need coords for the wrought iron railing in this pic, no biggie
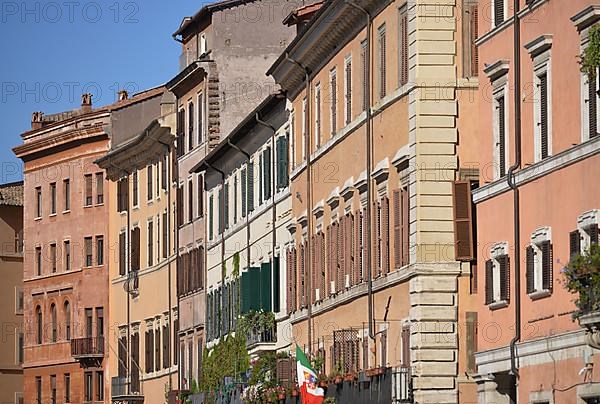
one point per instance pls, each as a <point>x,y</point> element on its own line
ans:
<point>402,385</point>
<point>89,346</point>
<point>257,336</point>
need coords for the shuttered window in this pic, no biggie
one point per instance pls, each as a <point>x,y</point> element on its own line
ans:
<point>122,254</point>
<point>163,175</point>
<point>401,214</point>
<point>180,133</point>
<point>282,162</point>
<point>165,236</point>
<point>226,206</point>
<point>220,206</point>
<point>504,271</point>
<point>150,240</point>
<point>135,186</point>
<point>501,116</point>
<point>166,341</point>
<point>489,282</point>
<point>405,337</point>
<point>88,190</point>
<point>547,267</point>
<point>348,90</point>
<point>250,186</point>
<point>200,118</point>
<point>381,60</point>
<point>530,269</point>
<point>179,202</point>
<point>211,219</point>
<point>190,207</point>
<point>385,235</point>
<point>463,227</point>
<point>267,172</point>
<point>593,106</point>
<point>333,100</point>
<point>135,249</point>
<point>543,124</point>
<point>243,179</point>
<point>539,267</point>
<point>403,45</point>
<point>200,196</point>
<point>471,341</point>
<point>469,28</point>
<point>498,12</point>
<point>317,115</point>
<point>592,232</point>
<point>363,74</point>
<point>123,195</point>
<point>135,358</point>
<point>150,181</point>
<point>574,243</point>
<point>191,125</point>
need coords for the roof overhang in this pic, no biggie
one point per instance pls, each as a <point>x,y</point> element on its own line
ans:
<point>187,79</point>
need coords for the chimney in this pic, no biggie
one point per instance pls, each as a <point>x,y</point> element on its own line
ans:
<point>86,103</point>
<point>36,120</point>
<point>123,95</point>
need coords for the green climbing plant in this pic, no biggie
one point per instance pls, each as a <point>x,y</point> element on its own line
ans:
<point>582,278</point>
<point>228,358</point>
<point>256,321</point>
<point>590,58</point>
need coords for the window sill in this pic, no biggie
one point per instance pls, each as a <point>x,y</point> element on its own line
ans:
<point>87,206</point>
<point>99,204</point>
<point>37,218</point>
<point>64,212</point>
<point>52,215</point>
<point>500,304</point>
<point>539,294</point>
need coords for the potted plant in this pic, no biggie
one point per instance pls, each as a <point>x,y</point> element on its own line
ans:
<point>337,374</point>
<point>582,277</point>
<point>589,60</point>
<point>280,391</point>
<point>350,377</point>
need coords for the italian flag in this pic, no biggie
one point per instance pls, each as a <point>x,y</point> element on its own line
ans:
<point>307,380</point>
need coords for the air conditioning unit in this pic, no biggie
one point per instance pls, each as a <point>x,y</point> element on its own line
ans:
<point>332,288</point>
<point>317,294</point>
<point>347,281</point>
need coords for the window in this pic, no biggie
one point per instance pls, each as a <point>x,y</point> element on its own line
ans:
<point>464,248</point>
<point>149,350</point>
<point>538,272</point>
<point>135,249</point>
<point>500,134</point>
<point>200,118</point>
<point>333,100</point>
<point>67,254</point>
<point>498,11</point>
<point>38,389</point>
<point>292,140</point>
<point>267,172</point>
<point>38,259</point>
<point>157,178</point>
<point>235,198</point>
<point>38,199</point>
<point>164,175</point>
<point>123,194</point>
<point>282,162</point>
<point>348,90</point>
<point>403,45</point>
<point>179,201</point>
<point>20,348</point>
<point>100,322</point>
<point>181,132</point>
<point>67,321</point>
<point>53,257</point>
<point>470,18</point>
<point>200,195</point>
<point>401,226</point>
<point>99,250</point>
<point>67,194</point>
<point>99,188</point>
<point>157,348</point>
<point>67,388</point>
<point>165,236</point>
<point>190,201</point>
<point>497,277</point>
<point>158,238</point>
<point>88,386</point>
<point>363,76</point>
<point>18,300</point>
<point>226,206</point>
<point>304,112</point>
<point>381,60</point>
<point>150,238</point>
<point>317,115</point>
<point>53,389</point>
<point>244,181</point>
<point>89,323</point>
<point>99,386</point>
<point>191,125</point>
<point>135,188</point>
<point>53,319</point>
<point>212,218</point>
<point>165,346</point>
<point>586,233</point>
<point>40,325</point>
<point>88,251</point>
<point>88,190</point>
<point>53,198</point>
<point>149,172</point>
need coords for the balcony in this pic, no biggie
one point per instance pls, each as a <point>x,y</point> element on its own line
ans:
<point>88,351</point>
<point>121,394</point>
<point>402,385</point>
<point>257,336</point>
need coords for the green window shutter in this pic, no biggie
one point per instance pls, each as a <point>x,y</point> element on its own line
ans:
<point>276,286</point>
<point>261,177</point>
<point>244,191</point>
<point>220,215</point>
<point>254,291</point>
<point>208,316</point>
<point>265,286</point>
<point>250,187</point>
<point>245,293</point>
<point>226,207</point>
<point>267,172</point>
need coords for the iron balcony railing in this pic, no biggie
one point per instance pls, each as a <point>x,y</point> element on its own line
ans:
<point>89,346</point>
<point>402,385</point>
<point>121,393</point>
<point>265,336</point>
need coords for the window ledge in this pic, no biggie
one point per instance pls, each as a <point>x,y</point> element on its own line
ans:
<point>64,212</point>
<point>539,294</point>
<point>500,304</point>
<point>37,218</point>
<point>99,204</point>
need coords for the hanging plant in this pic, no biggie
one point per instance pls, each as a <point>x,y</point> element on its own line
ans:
<point>582,277</point>
<point>228,358</point>
<point>590,58</point>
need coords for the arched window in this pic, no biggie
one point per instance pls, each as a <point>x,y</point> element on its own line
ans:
<point>67,320</point>
<point>53,313</point>
<point>38,315</point>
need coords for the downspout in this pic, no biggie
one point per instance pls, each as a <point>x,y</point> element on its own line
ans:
<point>175,180</point>
<point>168,151</point>
<point>247,155</point>
<point>369,151</point>
<point>511,182</point>
<point>273,206</point>
<point>307,149</point>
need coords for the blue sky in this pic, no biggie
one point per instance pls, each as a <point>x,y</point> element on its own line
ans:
<point>54,50</point>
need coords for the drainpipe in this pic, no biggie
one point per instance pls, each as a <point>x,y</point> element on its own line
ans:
<point>168,151</point>
<point>247,156</point>
<point>307,149</point>
<point>273,207</point>
<point>511,182</point>
<point>369,150</point>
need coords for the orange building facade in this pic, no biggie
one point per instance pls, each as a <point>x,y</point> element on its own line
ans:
<point>535,207</point>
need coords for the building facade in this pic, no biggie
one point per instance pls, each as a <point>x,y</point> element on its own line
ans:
<point>65,287</point>
<point>142,270</point>
<point>535,209</point>
<point>248,210</point>
<point>11,265</point>
<point>226,48</point>
<point>383,154</point>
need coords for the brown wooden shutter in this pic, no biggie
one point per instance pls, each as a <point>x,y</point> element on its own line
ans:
<point>405,345</point>
<point>593,232</point>
<point>463,229</point>
<point>405,225</point>
<point>498,12</point>
<point>376,240</point>
<point>502,136</point>
<point>365,245</point>
<point>396,206</point>
<point>288,281</point>
<point>547,265</point>
<point>294,279</point>
<point>504,262</point>
<point>385,235</point>
<point>329,259</point>
<point>471,340</point>
<point>574,243</point>
<point>122,254</point>
<point>322,267</point>
<point>530,269</point>
<point>313,261</point>
<point>489,282</point>
<point>403,46</point>
<point>363,73</point>
<point>339,230</point>
<point>544,114</point>
<point>357,244</point>
<point>348,71</point>
<point>135,249</point>
<point>592,106</point>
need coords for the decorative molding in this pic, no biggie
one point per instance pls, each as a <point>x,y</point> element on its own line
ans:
<point>496,69</point>
<point>540,44</point>
<point>586,17</point>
